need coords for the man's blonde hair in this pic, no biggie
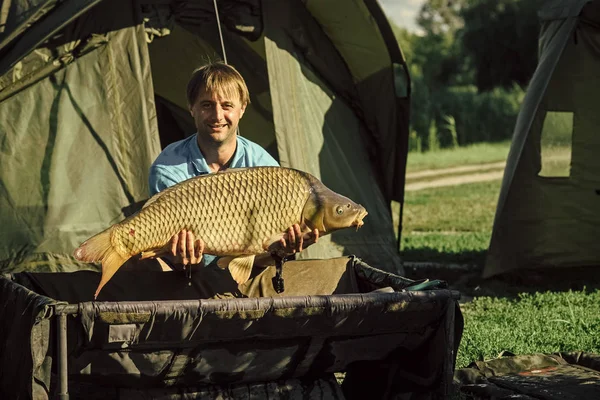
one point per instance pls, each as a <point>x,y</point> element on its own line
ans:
<point>217,77</point>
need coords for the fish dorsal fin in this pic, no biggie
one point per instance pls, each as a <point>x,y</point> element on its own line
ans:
<point>241,268</point>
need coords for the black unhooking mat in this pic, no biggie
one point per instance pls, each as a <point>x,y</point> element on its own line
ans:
<point>164,335</point>
<point>558,376</point>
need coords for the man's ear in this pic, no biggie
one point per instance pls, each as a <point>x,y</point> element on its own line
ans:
<point>243,110</point>
<point>191,110</point>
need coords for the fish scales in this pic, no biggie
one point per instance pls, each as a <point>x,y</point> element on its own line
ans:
<point>234,213</point>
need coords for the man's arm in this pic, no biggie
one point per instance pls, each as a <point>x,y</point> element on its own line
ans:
<point>159,179</point>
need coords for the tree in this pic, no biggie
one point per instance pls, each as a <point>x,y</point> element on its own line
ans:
<point>437,17</point>
<point>500,39</point>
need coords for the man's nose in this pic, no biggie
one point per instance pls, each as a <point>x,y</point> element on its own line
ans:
<point>217,112</point>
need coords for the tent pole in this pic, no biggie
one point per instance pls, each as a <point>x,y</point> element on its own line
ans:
<point>400,212</point>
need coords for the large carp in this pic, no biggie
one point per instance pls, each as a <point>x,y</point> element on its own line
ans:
<point>238,213</point>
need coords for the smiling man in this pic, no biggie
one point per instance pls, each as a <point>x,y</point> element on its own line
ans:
<point>217,99</point>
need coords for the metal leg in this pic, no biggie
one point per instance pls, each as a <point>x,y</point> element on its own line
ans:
<point>63,377</point>
<point>449,359</point>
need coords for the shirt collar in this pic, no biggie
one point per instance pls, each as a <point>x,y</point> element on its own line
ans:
<point>199,162</point>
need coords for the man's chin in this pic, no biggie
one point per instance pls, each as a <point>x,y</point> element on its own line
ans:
<point>217,137</point>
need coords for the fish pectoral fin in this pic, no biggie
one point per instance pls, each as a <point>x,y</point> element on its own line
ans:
<point>241,268</point>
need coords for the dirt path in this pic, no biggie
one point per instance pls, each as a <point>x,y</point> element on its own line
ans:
<point>454,176</point>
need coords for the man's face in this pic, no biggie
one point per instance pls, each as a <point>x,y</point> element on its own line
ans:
<point>217,116</point>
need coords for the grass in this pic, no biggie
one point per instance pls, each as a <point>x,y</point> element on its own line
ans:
<point>462,208</point>
<point>544,322</point>
<point>453,225</point>
<point>459,247</point>
<point>449,224</point>
<point>479,153</point>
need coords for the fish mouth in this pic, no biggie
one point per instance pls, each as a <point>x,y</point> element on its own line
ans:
<point>359,218</point>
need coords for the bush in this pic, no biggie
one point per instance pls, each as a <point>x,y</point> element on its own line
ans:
<point>478,117</point>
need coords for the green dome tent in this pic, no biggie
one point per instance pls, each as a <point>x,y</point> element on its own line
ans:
<point>548,212</point>
<point>90,91</point>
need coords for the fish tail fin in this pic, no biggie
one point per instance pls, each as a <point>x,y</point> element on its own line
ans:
<point>99,248</point>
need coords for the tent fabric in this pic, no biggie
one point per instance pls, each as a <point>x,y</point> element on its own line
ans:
<point>76,145</point>
<point>330,135</point>
<point>317,327</point>
<point>192,42</point>
<point>560,9</point>
<point>36,23</point>
<point>552,221</point>
<point>368,62</point>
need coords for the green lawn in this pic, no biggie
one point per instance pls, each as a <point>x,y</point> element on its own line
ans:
<point>449,224</point>
<point>453,225</point>
<point>474,154</point>
<point>544,322</point>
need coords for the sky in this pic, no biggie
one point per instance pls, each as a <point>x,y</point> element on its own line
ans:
<point>402,12</point>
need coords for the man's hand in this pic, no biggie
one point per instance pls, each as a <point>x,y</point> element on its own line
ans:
<point>294,241</point>
<point>185,248</point>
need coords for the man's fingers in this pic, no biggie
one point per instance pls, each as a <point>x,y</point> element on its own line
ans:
<point>197,249</point>
<point>191,248</point>
<point>316,234</point>
<point>292,239</point>
<point>183,246</point>
<point>174,242</point>
<point>300,237</point>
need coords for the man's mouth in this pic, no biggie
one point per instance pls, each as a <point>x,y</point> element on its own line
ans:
<point>217,126</point>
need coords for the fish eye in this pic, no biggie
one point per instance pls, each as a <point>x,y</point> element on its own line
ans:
<point>339,210</point>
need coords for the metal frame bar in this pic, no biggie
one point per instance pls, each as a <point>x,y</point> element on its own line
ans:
<point>63,373</point>
<point>63,363</point>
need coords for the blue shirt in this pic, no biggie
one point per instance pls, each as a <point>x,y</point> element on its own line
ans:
<point>183,159</point>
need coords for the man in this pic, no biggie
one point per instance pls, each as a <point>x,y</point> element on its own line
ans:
<point>217,98</point>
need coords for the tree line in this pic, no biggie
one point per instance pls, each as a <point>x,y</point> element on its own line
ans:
<point>469,69</point>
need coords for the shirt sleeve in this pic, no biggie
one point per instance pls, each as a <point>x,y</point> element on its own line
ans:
<point>266,160</point>
<point>160,179</point>
<point>259,157</point>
